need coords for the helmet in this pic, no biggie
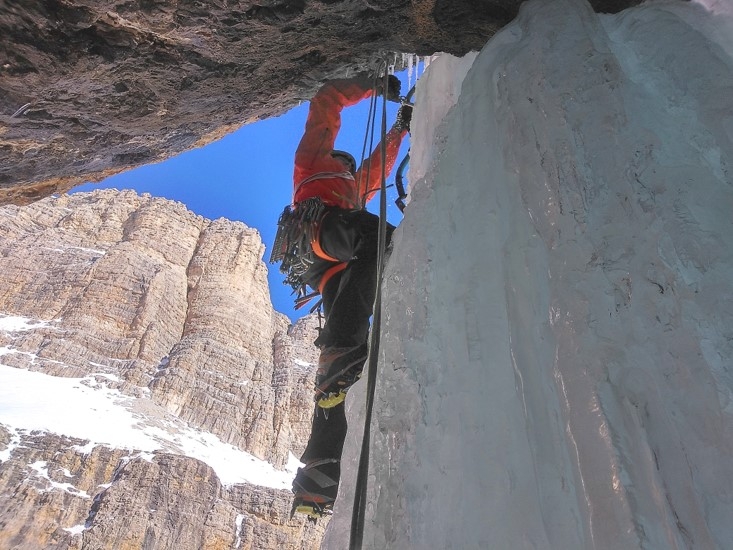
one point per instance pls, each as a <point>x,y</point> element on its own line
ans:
<point>346,158</point>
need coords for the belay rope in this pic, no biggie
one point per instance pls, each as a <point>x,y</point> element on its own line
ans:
<point>360,493</point>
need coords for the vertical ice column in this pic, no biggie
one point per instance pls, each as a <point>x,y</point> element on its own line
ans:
<point>555,366</point>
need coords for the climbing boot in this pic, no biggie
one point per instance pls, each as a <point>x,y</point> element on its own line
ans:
<point>338,370</point>
<point>315,487</point>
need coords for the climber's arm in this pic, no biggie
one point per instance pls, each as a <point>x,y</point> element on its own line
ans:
<point>324,122</point>
<point>369,176</point>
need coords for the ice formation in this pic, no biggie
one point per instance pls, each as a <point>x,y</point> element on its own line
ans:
<point>556,368</point>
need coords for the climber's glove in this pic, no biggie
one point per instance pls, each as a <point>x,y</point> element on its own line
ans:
<point>404,116</point>
<point>393,88</point>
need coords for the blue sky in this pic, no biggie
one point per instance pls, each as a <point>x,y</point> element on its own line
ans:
<point>248,176</point>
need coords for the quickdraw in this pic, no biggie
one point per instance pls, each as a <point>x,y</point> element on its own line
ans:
<point>293,247</point>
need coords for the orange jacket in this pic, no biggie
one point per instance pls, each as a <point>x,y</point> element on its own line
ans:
<point>316,173</point>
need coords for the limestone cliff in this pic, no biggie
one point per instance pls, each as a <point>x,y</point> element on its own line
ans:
<point>54,494</point>
<point>91,88</point>
<point>169,313</point>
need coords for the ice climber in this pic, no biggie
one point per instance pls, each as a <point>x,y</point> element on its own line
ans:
<point>328,241</point>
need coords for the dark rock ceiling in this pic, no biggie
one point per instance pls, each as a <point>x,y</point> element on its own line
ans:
<point>89,88</point>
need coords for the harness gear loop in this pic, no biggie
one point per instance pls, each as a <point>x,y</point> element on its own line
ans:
<point>297,245</point>
<point>297,229</point>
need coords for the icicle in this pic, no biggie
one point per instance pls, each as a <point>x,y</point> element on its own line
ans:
<point>410,61</point>
<point>391,68</point>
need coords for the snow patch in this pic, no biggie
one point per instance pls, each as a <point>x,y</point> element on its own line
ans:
<point>40,467</point>
<point>84,449</point>
<point>238,530</point>
<point>110,377</point>
<point>147,457</point>
<point>7,350</point>
<point>13,444</point>
<point>85,408</point>
<point>15,323</point>
<point>76,529</point>
<point>63,249</point>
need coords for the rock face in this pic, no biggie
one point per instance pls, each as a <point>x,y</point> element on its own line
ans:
<point>53,494</point>
<point>172,312</point>
<point>88,89</point>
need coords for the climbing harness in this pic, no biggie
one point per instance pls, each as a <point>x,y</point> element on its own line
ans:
<point>323,175</point>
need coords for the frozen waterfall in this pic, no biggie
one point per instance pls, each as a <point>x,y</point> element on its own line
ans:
<point>556,367</point>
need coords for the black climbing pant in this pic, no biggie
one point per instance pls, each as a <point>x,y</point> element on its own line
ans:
<point>348,298</point>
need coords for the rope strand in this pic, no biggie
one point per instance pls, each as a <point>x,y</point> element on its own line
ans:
<point>369,128</point>
<point>360,494</point>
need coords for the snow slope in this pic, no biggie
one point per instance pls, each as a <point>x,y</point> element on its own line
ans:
<point>556,365</point>
<point>86,408</point>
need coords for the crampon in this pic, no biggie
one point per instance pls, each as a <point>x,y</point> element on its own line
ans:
<point>315,487</point>
<point>331,390</point>
<point>313,510</point>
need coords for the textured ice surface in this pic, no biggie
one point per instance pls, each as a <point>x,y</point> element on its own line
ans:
<point>556,366</point>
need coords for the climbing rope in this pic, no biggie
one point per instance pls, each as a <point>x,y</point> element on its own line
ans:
<point>360,493</point>
<point>368,137</point>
